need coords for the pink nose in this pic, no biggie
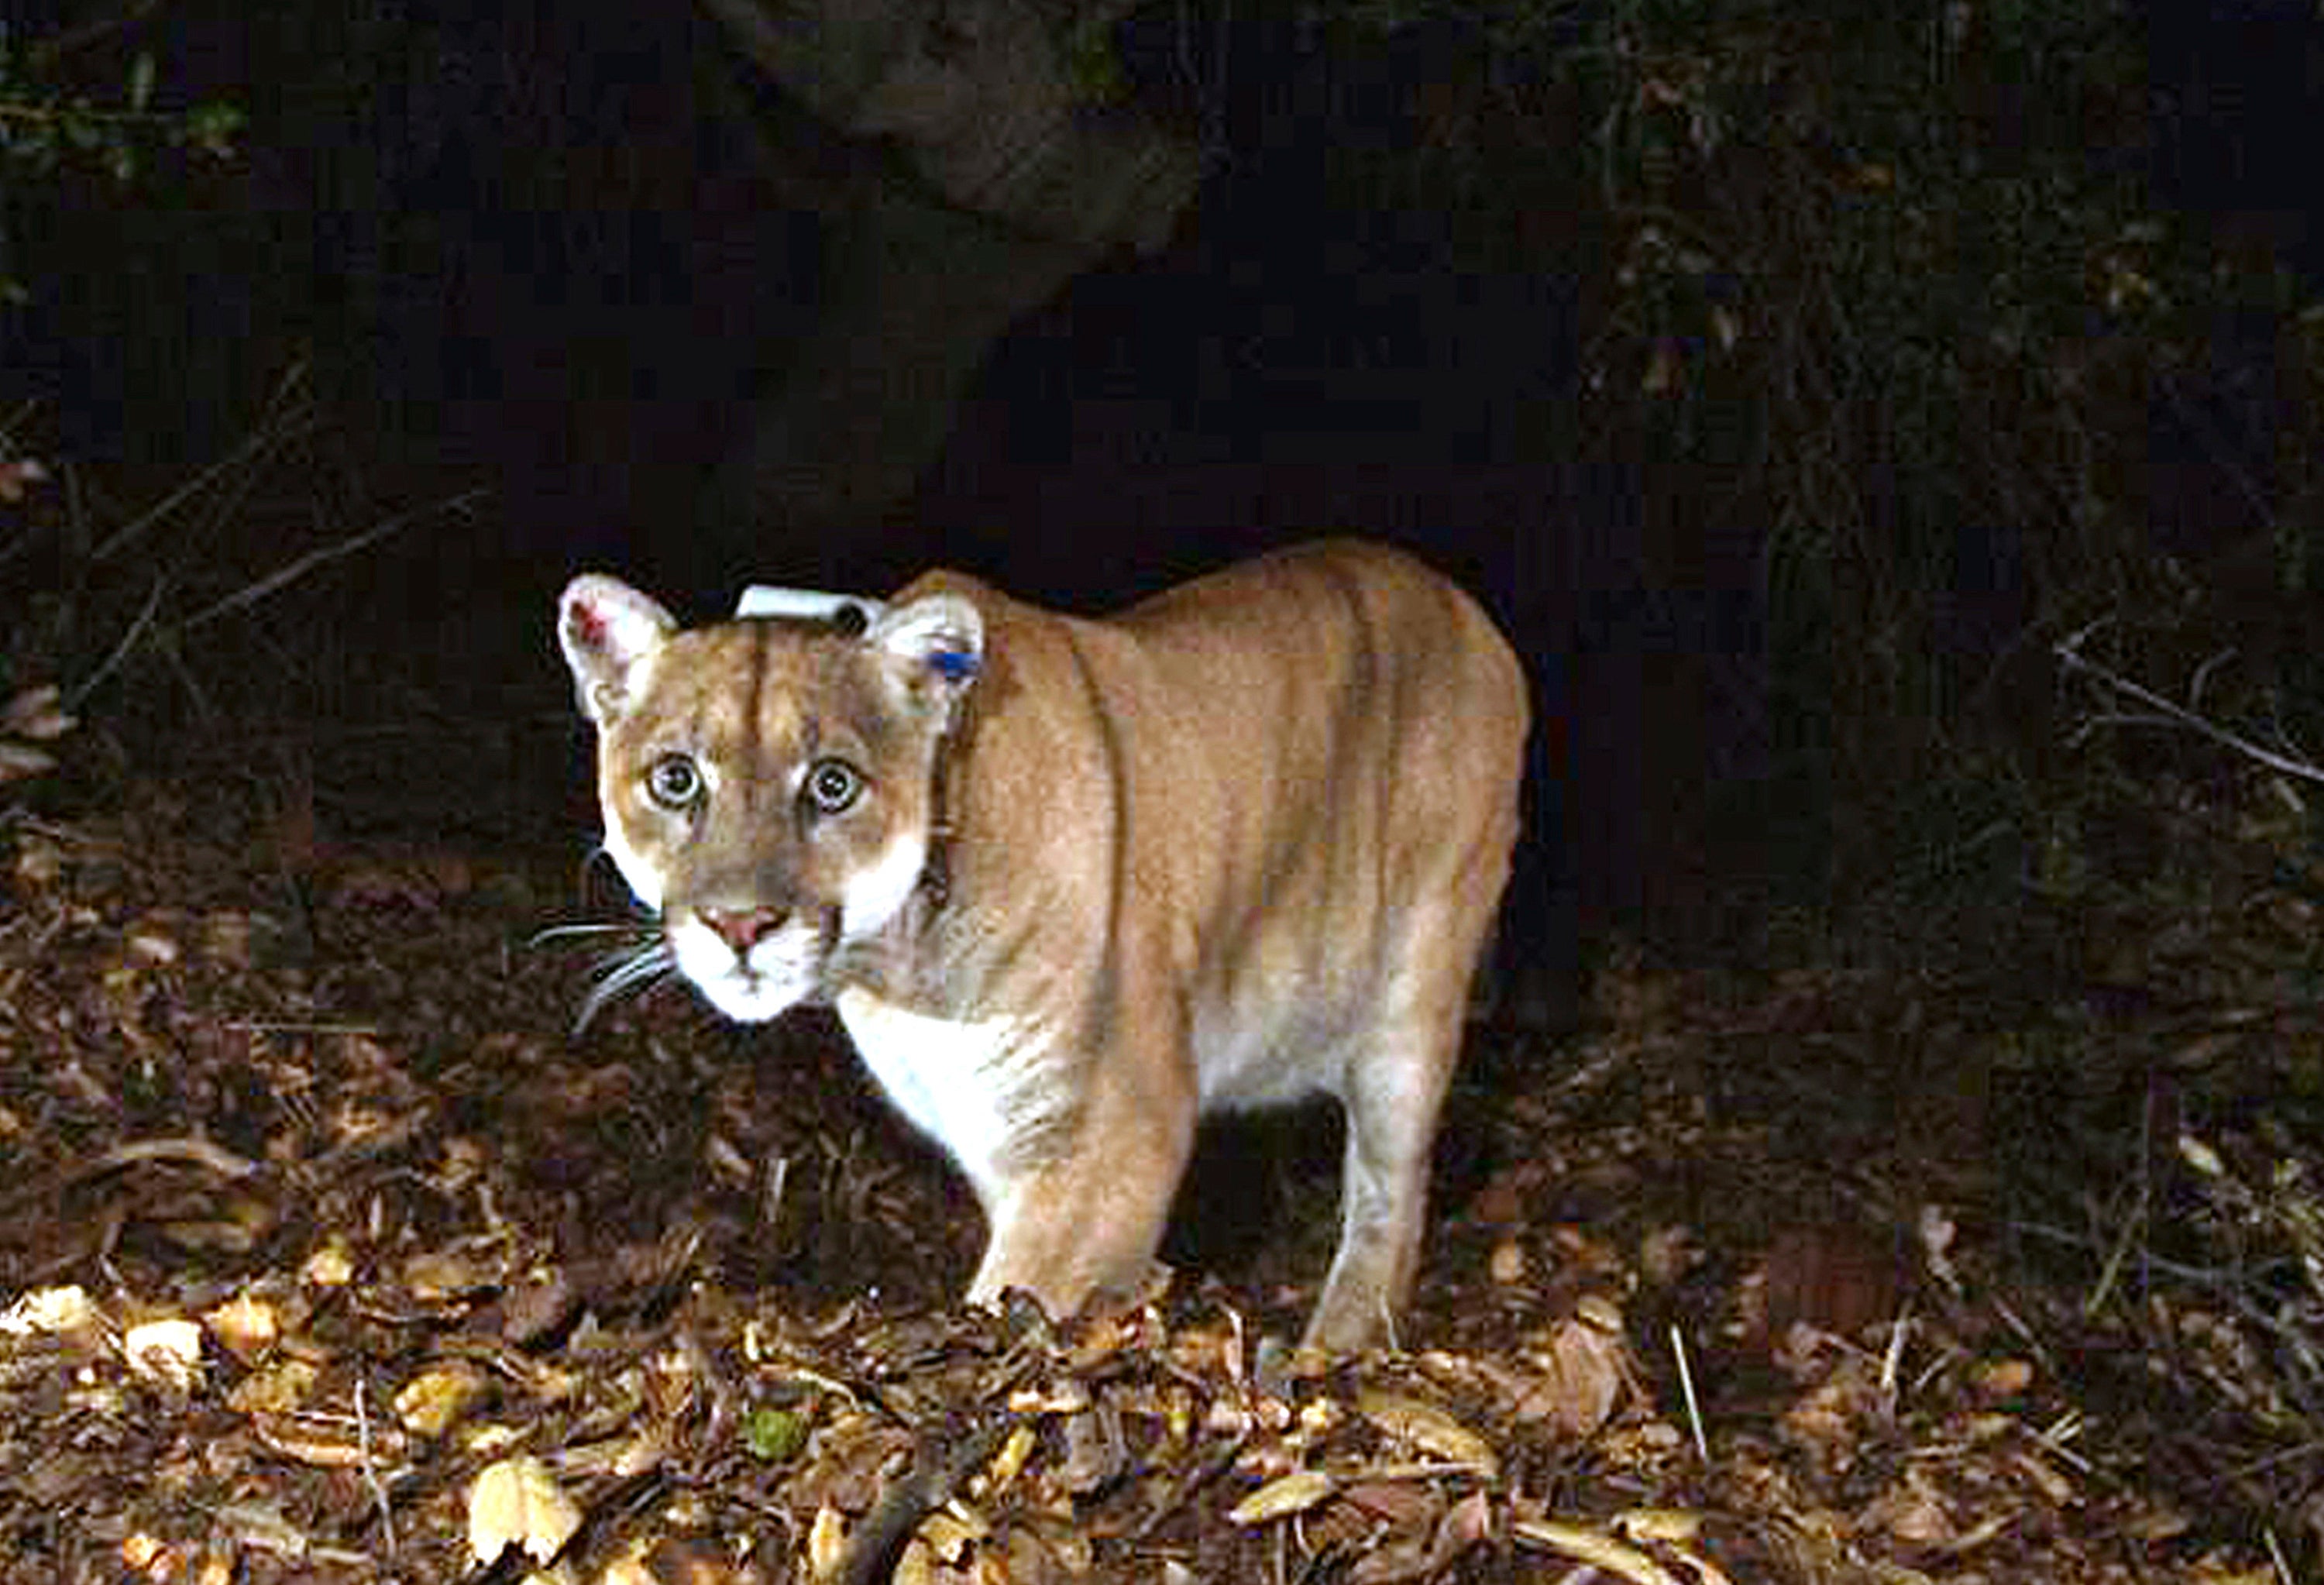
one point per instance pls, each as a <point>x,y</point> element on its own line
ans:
<point>742,928</point>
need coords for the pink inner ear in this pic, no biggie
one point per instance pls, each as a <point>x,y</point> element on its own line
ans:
<point>589,625</point>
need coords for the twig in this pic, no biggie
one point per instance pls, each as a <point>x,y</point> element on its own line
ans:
<point>2282,1564</point>
<point>2069,656</point>
<point>1591,1075</point>
<point>2261,1466</point>
<point>944,1459</point>
<point>89,685</point>
<point>297,1027</point>
<point>2218,451</point>
<point>203,708</point>
<point>1217,1464</point>
<point>1687,1390</point>
<point>2054,1436</point>
<point>190,1148</point>
<point>45,53</point>
<point>2131,1234</point>
<point>39,945</point>
<point>370,1469</point>
<point>1891,1359</point>
<point>2219,1278</point>
<point>2110,1269</point>
<point>75,511</point>
<point>301,566</point>
<point>254,445</point>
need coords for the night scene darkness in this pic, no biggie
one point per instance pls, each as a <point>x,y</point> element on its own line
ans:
<point>1890,439</point>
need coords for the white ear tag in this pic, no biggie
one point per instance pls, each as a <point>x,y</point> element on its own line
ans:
<point>804,604</point>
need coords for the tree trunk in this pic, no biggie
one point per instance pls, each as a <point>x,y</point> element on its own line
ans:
<point>999,183</point>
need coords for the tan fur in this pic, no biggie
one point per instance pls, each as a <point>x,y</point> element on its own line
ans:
<point>1236,845</point>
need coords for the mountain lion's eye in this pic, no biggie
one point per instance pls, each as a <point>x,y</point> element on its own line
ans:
<point>832,785</point>
<point>673,781</point>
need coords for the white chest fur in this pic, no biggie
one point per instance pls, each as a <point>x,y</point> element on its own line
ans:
<point>980,1088</point>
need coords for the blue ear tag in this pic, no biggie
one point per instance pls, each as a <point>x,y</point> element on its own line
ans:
<point>952,665</point>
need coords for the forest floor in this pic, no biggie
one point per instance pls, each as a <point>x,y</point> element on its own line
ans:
<point>331,1251</point>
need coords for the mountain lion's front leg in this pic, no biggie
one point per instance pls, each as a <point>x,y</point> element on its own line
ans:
<point>1087,1218</point>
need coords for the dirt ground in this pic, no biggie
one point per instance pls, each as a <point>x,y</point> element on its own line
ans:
<point>331,1251</point>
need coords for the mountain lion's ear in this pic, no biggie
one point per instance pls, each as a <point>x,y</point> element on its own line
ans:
<point>605,628</point>
<point>939,638</point>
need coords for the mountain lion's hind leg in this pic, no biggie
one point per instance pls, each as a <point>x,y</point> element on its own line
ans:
<point>1392,1088</point>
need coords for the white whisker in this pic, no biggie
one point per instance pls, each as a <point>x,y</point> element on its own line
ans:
<point>542,937</point>
<point>624,972</point>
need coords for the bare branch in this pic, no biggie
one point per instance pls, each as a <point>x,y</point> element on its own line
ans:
<point>2162,712</point>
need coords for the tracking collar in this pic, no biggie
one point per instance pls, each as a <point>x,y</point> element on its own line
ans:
<point>855,613</point>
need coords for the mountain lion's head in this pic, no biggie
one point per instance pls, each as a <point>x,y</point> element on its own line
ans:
<point>768,785</point>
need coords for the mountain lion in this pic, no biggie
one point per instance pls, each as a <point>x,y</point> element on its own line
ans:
<point>1069,883</point>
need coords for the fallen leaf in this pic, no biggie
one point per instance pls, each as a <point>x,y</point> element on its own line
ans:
<point>2054,1486</point>
<point>274,1389</point>
<point>1094,1450</point>
<point>916,1566</point>
<point>330,1267</point>
<point>18,476</point>
<point>245,1326</point>
<point>330,1445</point>
<point>1914,1516</point>
<point>2003,1378</point>
<point>148,1555</point>
<point>19,761</point>
<point>1396,1502</point>
<point>1430,1429</point>
<point>1393,1562</point>
<point>1589,1547</point>
<point>1294,1493</point>
<point>33,713</point>
<point>167,1352</point>
<point>1009,1461</point>
<point>1580,1365</point>
<point>949,1531</point>
<point>432,1400</point>
<point>1668,1253</point>
<point>827,1543</point>
<point>1677,1527</point>
<point>518,1502</point>
<point>260,1525</point>
<point>48,1310</point>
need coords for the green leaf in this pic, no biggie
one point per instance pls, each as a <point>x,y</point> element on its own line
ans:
<point>210,128</point>
<point>1094,66</point>
<point>774,1435</point>
<point>141,81</point>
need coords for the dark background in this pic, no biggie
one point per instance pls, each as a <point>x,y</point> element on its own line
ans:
<point>528,248</point>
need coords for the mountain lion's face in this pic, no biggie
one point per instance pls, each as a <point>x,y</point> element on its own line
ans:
<point>767,784</point>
